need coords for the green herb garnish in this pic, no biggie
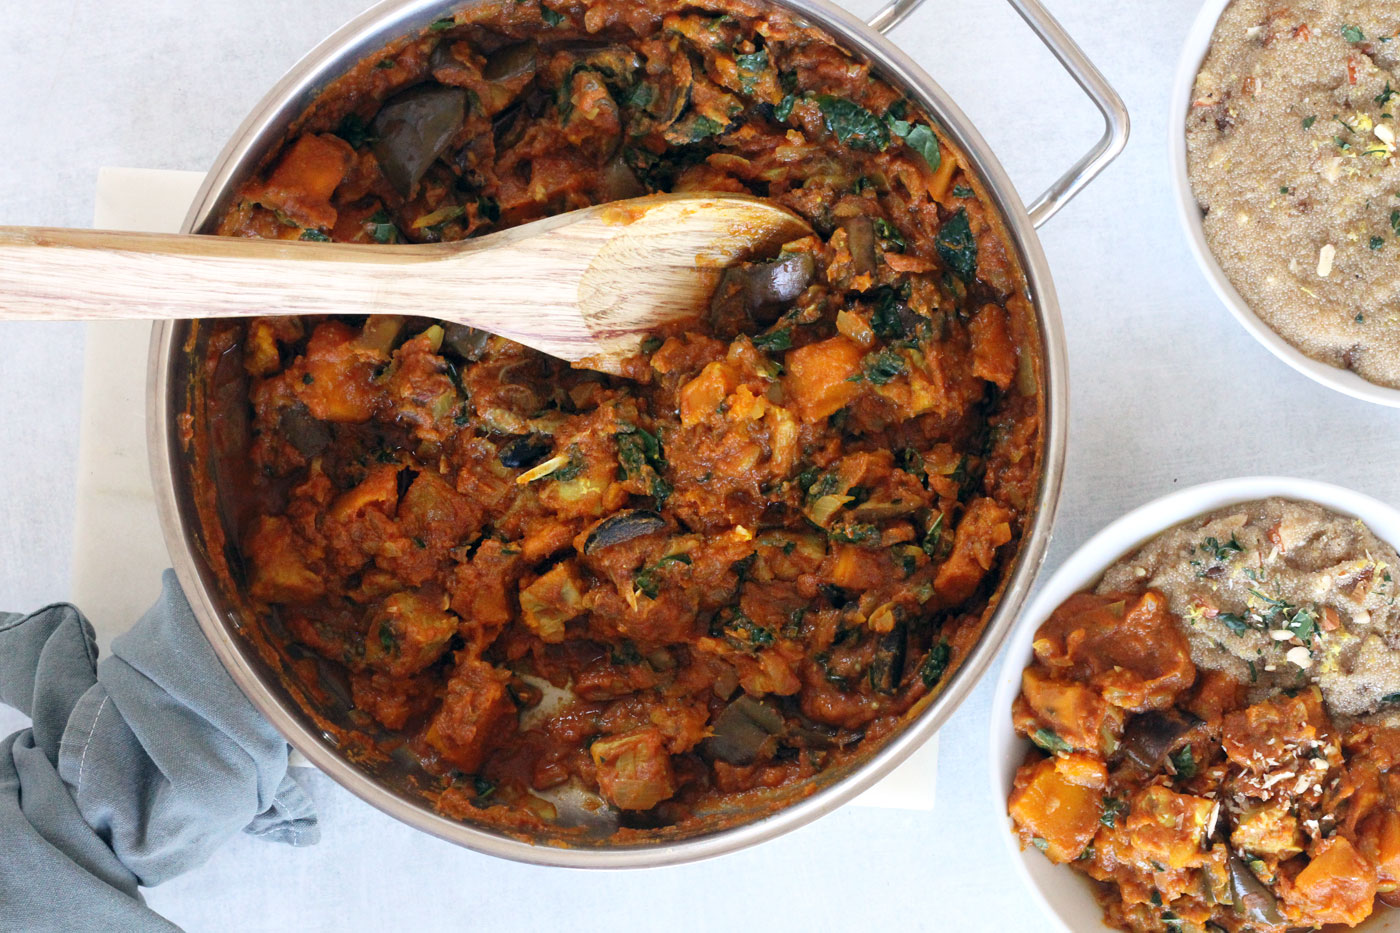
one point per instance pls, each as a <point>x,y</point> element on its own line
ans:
<point>315,236</point>
<point>1353,33</point>
<point>775,341</point>
<point>957,247</point>
<point>1051,742</point>
<point>1112,809</point>
<point>1184,762</point>
<point>934,666</point>
<point>852,124</point>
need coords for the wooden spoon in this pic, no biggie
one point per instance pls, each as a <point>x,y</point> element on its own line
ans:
<point>585,286</point>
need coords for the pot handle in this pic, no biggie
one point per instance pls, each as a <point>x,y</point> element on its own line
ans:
<point>1088,77</point>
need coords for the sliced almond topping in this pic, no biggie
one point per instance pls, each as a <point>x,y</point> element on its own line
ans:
<point>1324,260</point>
<point>1299,657</point>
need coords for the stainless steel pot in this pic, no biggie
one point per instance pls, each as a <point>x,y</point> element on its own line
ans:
<point>174,358</point>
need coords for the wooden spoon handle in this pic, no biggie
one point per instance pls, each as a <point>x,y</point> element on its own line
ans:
<point>59,274</point>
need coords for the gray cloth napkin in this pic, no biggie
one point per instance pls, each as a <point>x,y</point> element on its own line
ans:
<point>134,770</point>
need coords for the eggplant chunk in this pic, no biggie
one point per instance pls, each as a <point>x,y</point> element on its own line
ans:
<point>525,452</point>
<point>1253,900</point>
<point>306,433</point>
<point>757,291</point>
<point>413,128</point>
<point>743,731</point>
<point>466,342</point>
<point>512,61</point>
<point>623,527</point>
<point>1152,735</point>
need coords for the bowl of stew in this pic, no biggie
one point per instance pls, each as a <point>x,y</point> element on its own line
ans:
<point>1261,607</point>
<point>611,621</point>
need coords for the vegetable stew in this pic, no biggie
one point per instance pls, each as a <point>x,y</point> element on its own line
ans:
<point>737,567</point>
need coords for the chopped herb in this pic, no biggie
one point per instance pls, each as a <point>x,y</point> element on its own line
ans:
<point>650,345</point>
<point>1253,672</point>
<point>1222,552</point>
<point>1395,222</point>
<point>1341,143</point>
<point>1283,190</point>
<point>1384,96</point>
<point>381,227</point>
<point>641,457</point>
<point>1235,623</point>
<point>957,247</point>
<point>384,64</point>
<point>933,538</point>
<point>550,17</point>
<point>645,579</point>
<point>852,124</point>
<point>743,632</point>
<point>1087,855</point>
<point>1113,808</point>
<point>887,231</point>
<point>703,127</point>
<point>1184,762</point>
<point>885,366</point>
<point>784,108</point>
<point>571,470</point>
<point>488,209</point>
<point>775,341</point>
<point>923,141</point>
<point>640,97</point>
<point>751,67</point>
<point>1308,122</point>
<point>439,25</point>
<point>307,379</point>
<point>1303,625</point>
<point>886,321</point>
<point>421,543</point>
<point>388,640</point>
<point>1039,843</point>
<point>962,191</point>
<point>315,236</point>
<point>354,130</point>
<point>854,533</point>
<point>1353,33</point>
<point>1051,742</point>
<point>1377,242</point>
<point>483,787</point>
<point>1391,698</point>
<point>934,666</point>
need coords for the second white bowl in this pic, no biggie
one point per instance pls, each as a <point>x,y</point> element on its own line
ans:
<point>1193,53</point>
<point>1066,895</point>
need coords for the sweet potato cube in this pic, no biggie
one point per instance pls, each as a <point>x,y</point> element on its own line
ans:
<point>985,526</point>
<point>280,570</point>
<point>818,381</point>
<point>1169,828</point>
<point>476,714</point>
<point>1337,886</point>
<point>1268,830</point>
<point>1073,711</point>
<point>993,352</point>
<point>634,769</point>
<point>1058,801</point>
<point>703,395</point>
<point>409,632</point>
<point>551,601</point>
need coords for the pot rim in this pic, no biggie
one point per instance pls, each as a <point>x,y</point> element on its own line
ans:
<point>265,127</point>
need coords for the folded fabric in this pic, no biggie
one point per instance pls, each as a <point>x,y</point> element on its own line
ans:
<point>134,770</point>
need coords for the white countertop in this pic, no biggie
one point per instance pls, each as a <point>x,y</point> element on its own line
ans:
<point>1166,390</point>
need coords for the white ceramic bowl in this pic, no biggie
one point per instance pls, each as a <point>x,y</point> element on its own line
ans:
<point>1065,894</point>
<point>1194,52</point>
